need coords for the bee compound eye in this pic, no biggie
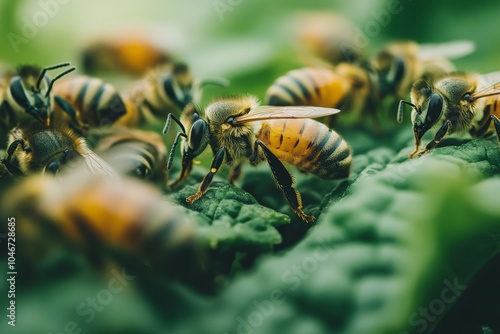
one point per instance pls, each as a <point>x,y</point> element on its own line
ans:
<point>53,167</point>
<point>198,131</point>
<point>435,108</point>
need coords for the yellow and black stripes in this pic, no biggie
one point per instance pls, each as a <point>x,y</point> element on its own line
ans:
<point>134,152</point>
<point>319,87</point>
<point>97,102</point>
<point>309,145</point>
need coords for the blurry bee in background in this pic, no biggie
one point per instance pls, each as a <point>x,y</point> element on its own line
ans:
<point>329,36</point>
<point>280,134</point>
<point>454,103</point>
<point>400,64</point>
<point>361,88</point>
<point>128,53</point>
<point>28,97</point>
<point>109,219</point>
<point>138,153</point>
<point>40,149</point>
<point>166,90</point>
<point>347,87</point>
<point>97,103</point>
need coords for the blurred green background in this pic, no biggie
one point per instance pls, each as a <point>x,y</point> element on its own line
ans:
<point>248,41</point>
<point>251,43</point>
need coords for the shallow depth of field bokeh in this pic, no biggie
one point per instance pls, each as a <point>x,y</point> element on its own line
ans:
<point>251,43</point>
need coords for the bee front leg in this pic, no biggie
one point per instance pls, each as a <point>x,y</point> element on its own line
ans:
<point>186,169</point>
<point>11,168</point>
<point>437,138</point>
<point>235,173</point>
<point>67,108</point>
<point>415,151</point>
<point>284,180</point>
<point>216,163</point>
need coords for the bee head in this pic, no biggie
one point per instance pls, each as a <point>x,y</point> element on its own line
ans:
<point>197,137</point>
<point>30,91</point>
<point>29,95</point>
<point>222,113</point>
<point>427,108</point>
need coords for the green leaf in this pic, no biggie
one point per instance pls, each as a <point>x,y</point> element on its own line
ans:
<point>236,222</point>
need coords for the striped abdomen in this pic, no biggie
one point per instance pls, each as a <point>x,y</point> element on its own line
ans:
<point>159,97</point>
<point>136,158</point>
<point>309,86</point>
<point>98,102</point>
<point>309,145</point>
<point>135,152</point>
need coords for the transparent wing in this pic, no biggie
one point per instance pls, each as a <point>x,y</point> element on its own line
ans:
<point>97,165</point>
<point>488,91</point>
<point>449,50</point>
<point>274,112</point>
<point>490,78</point>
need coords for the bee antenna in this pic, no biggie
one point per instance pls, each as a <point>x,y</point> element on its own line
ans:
<point>60,75</point>
<point>400,109</point>
<point>197,87</point>
<point>222,82</point>
<point>48,68</point>
<point>172,149</point>
<point>171,117</point>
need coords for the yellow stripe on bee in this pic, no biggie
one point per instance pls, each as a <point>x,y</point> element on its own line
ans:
<point>307,144</point>
<point>319,87</point>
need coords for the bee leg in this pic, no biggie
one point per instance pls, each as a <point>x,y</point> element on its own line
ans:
<point>11,168</point>
<point>216,163</point>
<point>284,180</point>
<point>183,176</point>
<point>415,151</point>
<point>235,173</point>
<point>437,138</point>
<point>68,109</point>
<point>171,117</point>
<point>185,170</point>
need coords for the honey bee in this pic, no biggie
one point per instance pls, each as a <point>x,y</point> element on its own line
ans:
<point>454,103</point>
<point>97,102</point>
<point>166,90</point>
<point>104,217</point>
<point>132,54</point>
<point>28,97</point>
<point>362,87</point>
<point>238,130</point>
<point>347,87</point>
<point>134,152</point>
<point>40,149</point>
